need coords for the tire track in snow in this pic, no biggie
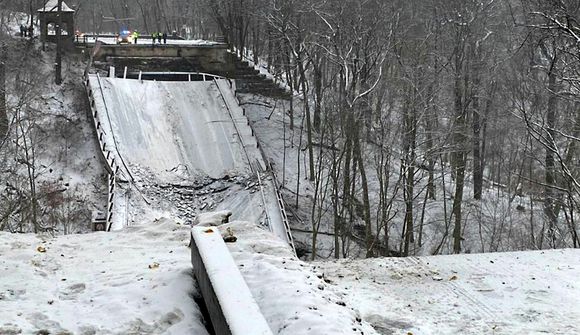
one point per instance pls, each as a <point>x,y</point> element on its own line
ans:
<point>472,303</point>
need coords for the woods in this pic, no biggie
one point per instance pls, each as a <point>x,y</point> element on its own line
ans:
<point>443,126</point>
<point>423,127</point>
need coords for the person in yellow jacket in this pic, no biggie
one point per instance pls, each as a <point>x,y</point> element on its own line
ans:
<point>135,36</point>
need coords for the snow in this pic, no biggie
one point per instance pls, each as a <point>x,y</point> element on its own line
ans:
<point>145,40</point>
<point>102,283</point>
<point>181,132</point>
<point>52,6</point>
<point>292,295</point>
<point>237,304</point>
<point>528,292</point>
<point>167,125</point>
<point>137,281</point>
<point>212,218</point>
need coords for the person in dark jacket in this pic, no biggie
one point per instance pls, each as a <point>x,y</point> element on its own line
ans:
<point>164,38</point>
<point>159,38</point>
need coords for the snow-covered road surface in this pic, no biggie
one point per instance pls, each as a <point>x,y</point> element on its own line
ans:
<point>293,296</point>
<point>534,292</point>
<point>137,281</point>
<point>174,129</point>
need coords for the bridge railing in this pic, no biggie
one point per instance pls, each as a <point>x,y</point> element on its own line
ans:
<point>105,153</point>
<point>205,76</point>
<point>268,169</point>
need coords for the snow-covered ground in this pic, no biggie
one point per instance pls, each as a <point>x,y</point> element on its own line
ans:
<point>137,281</point>
<point>532,292</point>
<point>293,296</point>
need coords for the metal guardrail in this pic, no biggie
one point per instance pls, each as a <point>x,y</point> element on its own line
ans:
<point>106,154</point>
<point>282,207</point>
<point>205,76</point>
<point>279,198</point>
<point>236,126</point>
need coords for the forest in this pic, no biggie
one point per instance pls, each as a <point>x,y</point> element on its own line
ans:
<point>424,126</point>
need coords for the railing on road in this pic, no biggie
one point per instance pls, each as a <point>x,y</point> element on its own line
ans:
<point>106,154</point>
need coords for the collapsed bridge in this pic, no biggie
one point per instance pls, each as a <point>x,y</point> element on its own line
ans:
<point>181,135</point>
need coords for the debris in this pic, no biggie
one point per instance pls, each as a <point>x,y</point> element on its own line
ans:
<point>41,249</point>
<point>230,238</point>
<point>155,265</point>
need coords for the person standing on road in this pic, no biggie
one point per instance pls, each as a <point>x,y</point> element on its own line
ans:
<point>164,38</point>
<point>159,37</point>
<point>153,37</point>
<point>135,36</point>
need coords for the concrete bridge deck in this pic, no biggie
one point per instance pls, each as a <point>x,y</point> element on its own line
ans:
<point>204,56</point>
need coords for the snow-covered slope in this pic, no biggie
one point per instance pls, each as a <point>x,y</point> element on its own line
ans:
<point>534,292</point>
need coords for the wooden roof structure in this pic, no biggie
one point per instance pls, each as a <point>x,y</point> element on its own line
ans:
<point>52,6</point>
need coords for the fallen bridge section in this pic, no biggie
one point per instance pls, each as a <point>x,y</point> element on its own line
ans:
<point>167,134</point>
<point>175,130</point>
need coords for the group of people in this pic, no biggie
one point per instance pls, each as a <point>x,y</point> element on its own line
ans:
<point>26,31</point>
<point>158,37</point>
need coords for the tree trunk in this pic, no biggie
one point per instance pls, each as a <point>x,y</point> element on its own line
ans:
<point>317,91</point>
<point>308,119</point>
<point>549,202</point>
<point>335,174</point>
<point>3,109</point>
<point>477,158</point>
<point>429,143</point>
<point>58,63</point>
<point>409,172</point>
<point>458,137</point>
<point>365,192</point>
